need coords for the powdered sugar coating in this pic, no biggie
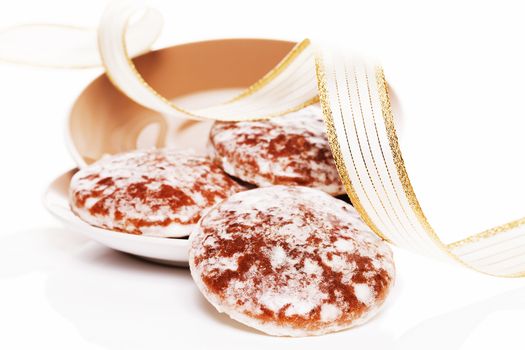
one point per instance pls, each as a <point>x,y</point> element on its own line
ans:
<point>288,150</point>
<point>290,261</point>
<point>151,192</point>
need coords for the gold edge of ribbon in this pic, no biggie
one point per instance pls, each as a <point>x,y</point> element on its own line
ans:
<point>287,60</point>
<point>336,150</point>
<point>300,106</point>
<point>411,196</point>
<point>399,163</point>
<point>143,81</point>
<point>138,76</point>
<point>488,233</point>
<point>274,72</point>
<point>407,185</point>
<point>491,233</point>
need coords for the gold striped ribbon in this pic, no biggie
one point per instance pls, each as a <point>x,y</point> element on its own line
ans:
<point>360,127</point>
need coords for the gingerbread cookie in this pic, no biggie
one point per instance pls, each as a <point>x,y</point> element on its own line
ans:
<point>288,150</point>
<point>290,261</point>
<point>149,192</point>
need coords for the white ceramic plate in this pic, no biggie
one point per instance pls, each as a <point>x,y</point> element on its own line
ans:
<point>162,250</point>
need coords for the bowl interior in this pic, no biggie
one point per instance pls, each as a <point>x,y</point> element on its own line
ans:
<point>104,121</point>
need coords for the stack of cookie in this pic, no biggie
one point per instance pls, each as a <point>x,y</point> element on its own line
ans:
<point>270,246</point>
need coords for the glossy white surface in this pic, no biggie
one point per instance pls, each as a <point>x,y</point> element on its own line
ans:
<point>59,290</point>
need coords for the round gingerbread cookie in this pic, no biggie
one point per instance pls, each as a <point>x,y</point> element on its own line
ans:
<point>149,192</point>
<point>290,261</point>
<point>288,150</point>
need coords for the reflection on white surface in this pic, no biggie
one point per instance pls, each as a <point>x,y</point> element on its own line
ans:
<point>452,329</point>
<point>116,301</point>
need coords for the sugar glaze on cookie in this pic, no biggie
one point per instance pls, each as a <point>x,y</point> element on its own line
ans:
<point>288,150</point>
<point>290,261</point>
<point>151,192</point>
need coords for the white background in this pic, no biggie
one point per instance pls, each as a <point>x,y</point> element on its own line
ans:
<point>457,69</point>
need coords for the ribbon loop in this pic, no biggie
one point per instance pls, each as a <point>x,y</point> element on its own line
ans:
<point>356,106</point>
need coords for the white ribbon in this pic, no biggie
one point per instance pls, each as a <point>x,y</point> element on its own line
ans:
<point>288,87</point>
<point>360,128</point>
<point>64,46</point>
